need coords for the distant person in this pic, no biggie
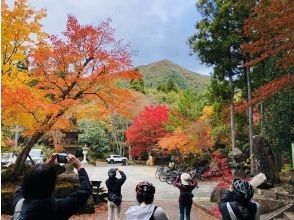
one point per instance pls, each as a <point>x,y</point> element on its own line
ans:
<point>34,200</point>
<point>236,203</point>
<point>186,186</point>
<point>145,210</point>
<point>114,192</point>
<point>171,163</point>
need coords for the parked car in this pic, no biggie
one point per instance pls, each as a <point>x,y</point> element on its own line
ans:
<point>36,155</point>
<point>116,158</point>
<point>7,159</point>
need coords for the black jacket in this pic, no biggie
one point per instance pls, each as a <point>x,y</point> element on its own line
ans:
<point>52,208</point>
<point>243,211</point>
<point>186,194</point>
<point>114,184</point>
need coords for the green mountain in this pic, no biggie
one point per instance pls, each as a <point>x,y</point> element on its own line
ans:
<point>160,72</point>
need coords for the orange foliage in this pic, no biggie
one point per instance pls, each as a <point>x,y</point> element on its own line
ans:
<point>196,138</point>
<point>58,148</point>
<point>82,67</point>
<point>178,140</point>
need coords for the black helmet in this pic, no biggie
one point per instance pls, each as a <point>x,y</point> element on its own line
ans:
<point>111,172</point>
<point>145,187</point>
<point>242,190</point>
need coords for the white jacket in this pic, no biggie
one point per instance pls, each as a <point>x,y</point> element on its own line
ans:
<point>144,212</point>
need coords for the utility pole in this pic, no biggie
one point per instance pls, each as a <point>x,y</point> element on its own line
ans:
<point>232,116</point>
<point>250,119</point>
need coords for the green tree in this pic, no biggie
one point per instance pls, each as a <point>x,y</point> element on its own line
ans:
<point>278,121</point>
<point>171,86</point>
<point>218,39</point>
<point>138,85</point>
<point>187,109</point>
<point>95,135</point>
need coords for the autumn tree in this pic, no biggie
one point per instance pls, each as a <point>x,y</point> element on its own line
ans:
<point>270,41</point>
<point>270,28</point>
<point>21,30</point>
<point>84,65</point>
<point>147,128</point>
<point>196,137</point>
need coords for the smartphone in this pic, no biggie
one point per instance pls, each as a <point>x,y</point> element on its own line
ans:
<point>62,158</point>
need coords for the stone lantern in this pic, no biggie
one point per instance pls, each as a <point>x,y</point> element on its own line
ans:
<point>235,154</point>
<point>85,152</point>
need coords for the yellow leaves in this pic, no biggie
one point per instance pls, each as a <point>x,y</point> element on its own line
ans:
<point>20,27</point>
<point>197,137</point>
<point>207,112</point>
<point>178,140</point>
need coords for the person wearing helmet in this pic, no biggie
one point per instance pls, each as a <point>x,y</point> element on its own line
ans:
<point>114,185</point>
<point>145,210</point>
<point>236,204</point>
<point>186,186</point>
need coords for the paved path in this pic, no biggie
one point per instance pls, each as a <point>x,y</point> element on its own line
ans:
<point>166,195</point>
<point>137,173</point>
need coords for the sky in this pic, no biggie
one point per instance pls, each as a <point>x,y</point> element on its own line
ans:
<point>155,29</point>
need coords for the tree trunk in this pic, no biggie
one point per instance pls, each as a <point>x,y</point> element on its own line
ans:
<point>250,120</point>
<point>232,116</point>
<point>261,118</point>
<point>21,159</point>
<point>16,135</point>
<point>130,155</point>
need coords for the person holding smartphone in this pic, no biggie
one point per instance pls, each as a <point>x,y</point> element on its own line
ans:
<point>236,203</point>
<point>114,185</point>
<point>34,200</point>
<point>186,186</point>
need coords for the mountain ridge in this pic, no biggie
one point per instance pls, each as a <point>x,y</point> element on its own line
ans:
<point>160,72</point>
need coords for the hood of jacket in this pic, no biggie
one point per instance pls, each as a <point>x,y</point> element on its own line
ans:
<point>140,212</point>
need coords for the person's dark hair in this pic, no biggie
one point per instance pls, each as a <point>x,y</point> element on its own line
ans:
<point>145,197</point>
<point>112,173</point>
<point>145,192</point>
<point>39,182</point>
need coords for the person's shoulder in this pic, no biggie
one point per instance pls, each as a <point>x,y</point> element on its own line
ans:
<point>255,204</point>
<point>160,213</point>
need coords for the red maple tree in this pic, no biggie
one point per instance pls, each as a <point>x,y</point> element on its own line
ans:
<point>147,129</point>
<point>270,30</point>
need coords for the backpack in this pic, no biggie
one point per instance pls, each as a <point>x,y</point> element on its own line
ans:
<point>115,199</point>
<point>237,211</point>
<point>17,215</point>
<point>152,216</point>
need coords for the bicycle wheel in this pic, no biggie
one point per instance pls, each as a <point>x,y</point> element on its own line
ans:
<point>169,180</point>
<point>158,170</point>
<point>162,178</point>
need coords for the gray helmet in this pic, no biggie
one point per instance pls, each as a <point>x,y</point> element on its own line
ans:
<point>242,190</point>
<point>111,172</point>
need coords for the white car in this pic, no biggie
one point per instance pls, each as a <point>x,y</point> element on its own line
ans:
<point>116,158</point>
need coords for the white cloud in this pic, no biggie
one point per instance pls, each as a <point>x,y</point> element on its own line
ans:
<point>157,29</point>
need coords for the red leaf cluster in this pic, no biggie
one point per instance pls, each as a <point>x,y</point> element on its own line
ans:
<point>219,168</point>
<point>266,91</point>
<point>147,128</point>
<point>271,29</point>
